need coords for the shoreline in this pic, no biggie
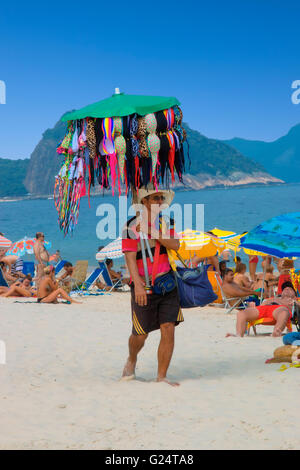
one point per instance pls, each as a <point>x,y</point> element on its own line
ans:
<point>177,189</point>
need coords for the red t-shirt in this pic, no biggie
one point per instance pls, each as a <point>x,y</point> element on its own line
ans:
<point>131,242</point>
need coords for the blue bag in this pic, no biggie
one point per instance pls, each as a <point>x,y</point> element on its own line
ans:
<point>164,284</point>
<point>194,288</point>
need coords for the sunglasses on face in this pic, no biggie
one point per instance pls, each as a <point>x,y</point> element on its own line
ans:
<point>157,198</point>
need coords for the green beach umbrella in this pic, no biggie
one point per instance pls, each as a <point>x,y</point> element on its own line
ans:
<point>121,105</point>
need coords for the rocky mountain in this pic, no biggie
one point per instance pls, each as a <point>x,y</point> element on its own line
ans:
<point>213,163</point>
<point>281,158</point>
<point>12,174</point>
<point>45,162</point>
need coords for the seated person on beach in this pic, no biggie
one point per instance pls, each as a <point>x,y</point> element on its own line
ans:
<point>237,261</point>
<point>241,278</point>
<point>270,281</point>
<point>65,279</point>
<point>276,309</point>
<point>48,290</point>
<point>222,268</point>
<point>13,269</point>
<point>212,262</point>
<point>234,290</point>
<point>22,288</point>
<point>115,275</point>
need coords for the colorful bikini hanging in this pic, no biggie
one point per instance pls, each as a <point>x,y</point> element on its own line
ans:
<point>122,153</point>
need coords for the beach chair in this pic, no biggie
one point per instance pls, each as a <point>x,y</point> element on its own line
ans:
<point>266,322</point>
<point>91,279</point>
<point>239,302</point>
<point>28,268</point>
<point>59,266</point>
<point>107,279</point>
<point>3,282</point>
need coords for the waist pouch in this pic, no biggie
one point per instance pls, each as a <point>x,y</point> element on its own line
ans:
<point>164,284</point>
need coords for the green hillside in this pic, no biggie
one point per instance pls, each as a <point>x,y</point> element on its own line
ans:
<point>12,175</point>
<point>216,157</point>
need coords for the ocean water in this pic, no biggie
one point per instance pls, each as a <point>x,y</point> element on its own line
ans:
<point>238,209</point>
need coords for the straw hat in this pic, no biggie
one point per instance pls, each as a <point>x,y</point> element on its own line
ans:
<point>149,190</point>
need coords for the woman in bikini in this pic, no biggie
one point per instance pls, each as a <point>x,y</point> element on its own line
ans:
<point>20,289</point>
<point>49,291</point>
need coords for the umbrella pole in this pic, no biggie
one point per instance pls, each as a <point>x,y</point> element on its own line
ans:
<point>148,287</point>
<point>263,284</point>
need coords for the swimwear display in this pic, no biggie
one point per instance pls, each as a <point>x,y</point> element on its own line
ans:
<point>159,309</point>
<point>141,145</point>
<point>254,260</point>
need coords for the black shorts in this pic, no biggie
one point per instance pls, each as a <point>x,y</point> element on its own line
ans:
<point>159,309</point>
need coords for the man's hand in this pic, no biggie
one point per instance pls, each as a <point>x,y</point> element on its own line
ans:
<point>140,294</point>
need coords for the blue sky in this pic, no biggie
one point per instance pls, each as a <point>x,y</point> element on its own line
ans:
<point>231,64</point>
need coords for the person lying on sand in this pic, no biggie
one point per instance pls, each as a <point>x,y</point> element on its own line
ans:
<point>48,291</point>
<point>234,290</point>
<point>19,289</point>
<point>278,309</point>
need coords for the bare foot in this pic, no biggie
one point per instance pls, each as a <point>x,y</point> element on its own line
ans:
<point>164,379</point>
<point>129,370</point>
<point>276,332</point>
<point>76,302</point>
<point>230,334</point>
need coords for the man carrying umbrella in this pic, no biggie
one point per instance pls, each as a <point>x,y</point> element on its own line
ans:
<point>145,248</point>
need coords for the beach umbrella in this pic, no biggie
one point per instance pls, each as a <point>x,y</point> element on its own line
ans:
<point>4,243</point>
<point>121,104</point>
<point>122,142</point>
<point>232,239</point>
<point>197,243</point>
<point>279,236</point>
<point>25,246</point>
<point>112,250</point>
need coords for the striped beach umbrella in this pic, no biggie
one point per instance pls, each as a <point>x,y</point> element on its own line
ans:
<point>196,243</point>
<point>112,250</point>
<point>4,243</point>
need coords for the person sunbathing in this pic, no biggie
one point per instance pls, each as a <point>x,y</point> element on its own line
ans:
<point>234,290</point>
<point>65,279</point>
<point>241,278</point>
<point>19,288</point>
<point>276,309</point>
<point>115,275</point>
<point>13,268</point>
<point>270,281</point>
<point>48,291</point>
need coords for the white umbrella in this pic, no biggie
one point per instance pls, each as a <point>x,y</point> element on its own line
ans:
<point>112,250</point>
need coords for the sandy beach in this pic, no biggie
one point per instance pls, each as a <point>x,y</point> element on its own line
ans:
<point>60,385</point>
